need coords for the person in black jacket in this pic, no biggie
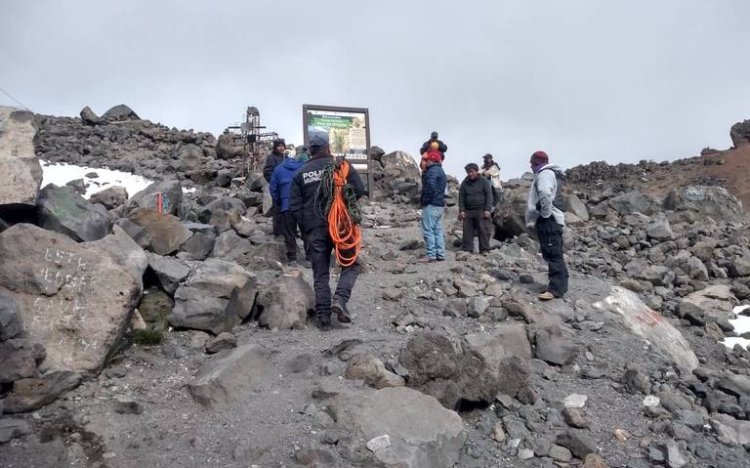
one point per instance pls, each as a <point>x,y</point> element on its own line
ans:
<point>308,203</point>
<point>442,147</point>
<point>273,159</point>
<point>433,203</point>
<point>475,208</point>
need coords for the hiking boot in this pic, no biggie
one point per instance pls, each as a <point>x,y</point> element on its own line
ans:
<point>323,322</point>
<point>425,260</point>
<point>440,259</point>
<point>546,296</point>
<point>338,307</point>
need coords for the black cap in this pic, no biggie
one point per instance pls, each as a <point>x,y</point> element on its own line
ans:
<point>278,142</point>
<point>434,135</point>
<point>488,155</point>
<point>318,140</point>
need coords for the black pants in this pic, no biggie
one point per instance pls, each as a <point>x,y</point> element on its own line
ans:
<point>278,220</point>
<point>476,225</point>
<point>551,245</point>
<point>290,235</point>
<point>320,257</point>
<point>290,228</point>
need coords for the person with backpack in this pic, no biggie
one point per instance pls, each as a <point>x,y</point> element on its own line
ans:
<point>320,188</point>
<point>491,170</point>
<point>441,147</point>
<point>545,213</point>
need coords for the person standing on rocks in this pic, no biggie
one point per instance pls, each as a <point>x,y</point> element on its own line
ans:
<point>548,221</point>
<point>433,203</point>
<point>442,147</point>
<point>273,159</point>
<point>280,188</point>
<point>309,203</point>
<point>491,170</point>
<point>475,207</point>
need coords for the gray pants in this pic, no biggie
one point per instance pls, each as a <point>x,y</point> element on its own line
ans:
<point>320,258</point>
<point>476,225</point>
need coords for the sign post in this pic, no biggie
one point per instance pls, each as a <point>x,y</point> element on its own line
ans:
<point>347,130</point>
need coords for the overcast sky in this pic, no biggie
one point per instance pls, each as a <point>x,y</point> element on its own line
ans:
<point>584,80</point>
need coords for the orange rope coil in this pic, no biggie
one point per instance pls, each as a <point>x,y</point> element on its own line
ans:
<point>345,233</point>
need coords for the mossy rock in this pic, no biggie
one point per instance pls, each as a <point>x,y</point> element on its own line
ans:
<point>148,337</point>
<point>155,307</point>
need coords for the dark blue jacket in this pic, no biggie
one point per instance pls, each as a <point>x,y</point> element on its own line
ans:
<point>433,186</point>
<point>281,182</point>
<point>307,205</point>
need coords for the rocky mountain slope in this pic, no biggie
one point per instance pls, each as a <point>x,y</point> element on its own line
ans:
<point>132,336</point>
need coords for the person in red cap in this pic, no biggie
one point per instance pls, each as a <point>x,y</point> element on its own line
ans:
<point>544,213</point>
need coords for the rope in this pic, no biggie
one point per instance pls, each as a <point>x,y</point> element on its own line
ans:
<point>16,100</point>
<point>342,212</point>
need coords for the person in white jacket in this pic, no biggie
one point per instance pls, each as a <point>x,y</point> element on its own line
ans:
<point>548,221</point>
<point>491,170</point>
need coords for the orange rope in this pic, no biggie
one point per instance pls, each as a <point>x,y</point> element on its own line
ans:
<point>344,233</point>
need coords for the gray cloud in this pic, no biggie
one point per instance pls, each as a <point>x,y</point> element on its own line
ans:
<point>584,80</point>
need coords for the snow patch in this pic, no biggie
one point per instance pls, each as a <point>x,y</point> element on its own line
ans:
<point>62,173</point>
<point>741,325</point>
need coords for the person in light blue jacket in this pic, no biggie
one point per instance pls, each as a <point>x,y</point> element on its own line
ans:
<point>548,219</point>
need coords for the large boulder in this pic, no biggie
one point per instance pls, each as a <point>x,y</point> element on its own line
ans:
<point>89,117</point>
<point>740,133</point>
<point>649,325</point>
<point>125,251</point>
<point>19,165</point>
<point>286,302</point>
<point>230,146</point>
<point>475,370</point>
<point>632,202</point>
<point>232,377</point>
<point>731,431</point>
<point>397,427</point>
<point>396,178</point>
<point>18,359</point>
<point>554,344</point>
<point>120,113</point>
<point>658,229</point>
<point>110,197</point>
<point>710,200</point>
<point>230,246</point>
<point>165,232</point>
<point>168,271</point>
<point>74,299</point>
<point>11,324</point>
<point>716,300</point>
<point>216,296</point>
<point>187,157</point>
<point>510,213</point>
<point>577,207</point>
<point>63,210</point>
<point>171,191</point>
<point>32,393</point>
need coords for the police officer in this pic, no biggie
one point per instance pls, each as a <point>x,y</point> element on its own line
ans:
<point>308,204</point>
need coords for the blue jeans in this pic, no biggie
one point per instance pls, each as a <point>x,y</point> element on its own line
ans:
<point>432,230</point>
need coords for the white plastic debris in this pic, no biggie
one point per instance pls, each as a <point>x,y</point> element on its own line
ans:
<point>651,401</point>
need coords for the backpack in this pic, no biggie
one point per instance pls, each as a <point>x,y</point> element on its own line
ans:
<point>562,193</point>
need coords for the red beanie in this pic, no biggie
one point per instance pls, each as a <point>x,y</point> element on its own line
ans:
<point>540,157</point>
